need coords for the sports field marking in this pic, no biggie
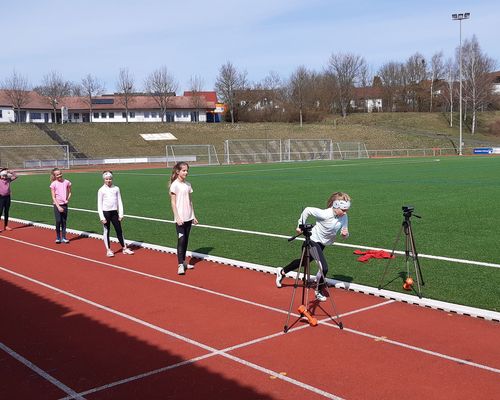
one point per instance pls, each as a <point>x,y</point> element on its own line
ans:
<point>276,235</point>
<point>175,335</point>
<point>45,375</point>
<point>245,301</point>
<point>295,167</point>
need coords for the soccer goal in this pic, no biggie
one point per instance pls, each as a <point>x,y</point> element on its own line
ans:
<point>351,150</point>
<point>308,149</point>
<point>250,151</point>
<point>34,157</point>
<point>196,154</point>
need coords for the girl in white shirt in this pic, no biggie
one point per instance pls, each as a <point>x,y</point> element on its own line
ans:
<point>182,207</point>
<point>110,208</point>
<point>328,222</point>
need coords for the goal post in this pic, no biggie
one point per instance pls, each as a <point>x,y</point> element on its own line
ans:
<point>351,150</point>
<point>195,154</point>
<point>308,149</point>
<point>250,151</point>
<point>35,157</point>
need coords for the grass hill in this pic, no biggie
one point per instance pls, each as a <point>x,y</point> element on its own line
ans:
<point>376,130</point>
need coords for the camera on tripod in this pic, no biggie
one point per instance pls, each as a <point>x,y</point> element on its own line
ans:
<point>407,211</point>
<point>306,227</point>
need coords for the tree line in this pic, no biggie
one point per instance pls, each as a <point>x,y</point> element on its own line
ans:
<point>343,86</point>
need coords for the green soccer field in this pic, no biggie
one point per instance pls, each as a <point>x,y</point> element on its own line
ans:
<point>457,198</point>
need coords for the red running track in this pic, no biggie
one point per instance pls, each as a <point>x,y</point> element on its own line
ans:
<point>76,324</point>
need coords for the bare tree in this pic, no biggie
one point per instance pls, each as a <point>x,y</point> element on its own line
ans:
<point>161,85</point>
<point>347,69</point>
<point>298,89</point>
<point>17,89</point>
<point>476,70</point>
<point>435,73</point>
<point>390,77</point>
<point>416,74</point>
<point>126,89</point>
<point>198,100</point>
<point>53,88</point>
<point>227,83</point>
<point>91,87</point>
<point>450,74</point>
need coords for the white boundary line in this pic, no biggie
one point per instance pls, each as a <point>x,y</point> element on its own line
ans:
<point>41,372</point>
<point>266,234</point>
<point>401,297</point>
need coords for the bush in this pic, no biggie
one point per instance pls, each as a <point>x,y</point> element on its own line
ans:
<point>495,128</point>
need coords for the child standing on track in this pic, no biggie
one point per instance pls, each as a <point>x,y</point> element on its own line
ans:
<point>110,208</point>
<point>60,190</point>
<point>328,222</point>
<point>6,177</point>
<point>182,207</point>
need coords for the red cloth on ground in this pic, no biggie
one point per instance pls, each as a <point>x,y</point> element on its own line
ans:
<point>366,255</point>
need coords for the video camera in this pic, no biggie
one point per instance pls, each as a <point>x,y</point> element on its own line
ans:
<point>306,227</point>
<point>408,211</point>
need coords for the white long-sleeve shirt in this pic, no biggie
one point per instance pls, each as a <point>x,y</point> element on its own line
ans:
<point>109,199</point>
<point>327,224</point>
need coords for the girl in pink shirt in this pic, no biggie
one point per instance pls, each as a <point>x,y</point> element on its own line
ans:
<point>60,190</point>
<point>182,206</point>
<point>6,177</point>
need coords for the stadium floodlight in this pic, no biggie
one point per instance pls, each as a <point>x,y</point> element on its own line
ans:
<point>460,17</point>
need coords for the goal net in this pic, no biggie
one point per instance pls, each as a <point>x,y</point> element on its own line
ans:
<point>196,154</point>
<point>34,157</point>
<point>251,151</point>
<point>308,149</point>
<point>351,150</point>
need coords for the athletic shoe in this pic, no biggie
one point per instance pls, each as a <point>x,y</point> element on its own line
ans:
<point>319,296</point>
<point>65,240</point>
<point>58,241</point>
<point>110,253</point>
<point>279,276</point>
<point>181,270</point>
<point>8,228</point>
<point>188,266</point>
<point>126,250</point>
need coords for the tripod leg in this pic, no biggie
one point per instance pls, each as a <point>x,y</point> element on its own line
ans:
<point>398,236</point>
<point>295,285</point>
<point>416,262</point>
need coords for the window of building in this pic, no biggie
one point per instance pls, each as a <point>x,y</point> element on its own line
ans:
<point>103,115</point>
<point>35,115</point>
<point>154,114</point>
<point>131,114</point>
<point>178,114</point>
<point>185,114</point>
<point>76,116</point>
<point>147,114</point>
<point>0,113</point>
<point>96,115</point>
<point>111,115</point>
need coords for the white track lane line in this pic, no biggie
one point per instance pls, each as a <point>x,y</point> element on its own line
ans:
<point>45,375</point>
<point>175,335</point>
<point>276,235</point>
<point>248,302</point>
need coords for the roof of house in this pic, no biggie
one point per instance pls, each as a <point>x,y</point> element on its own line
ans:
<point>107,102</point>
<point>209,96</point>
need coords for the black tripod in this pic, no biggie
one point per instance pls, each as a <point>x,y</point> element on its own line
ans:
<point>308,252</point>
<point>410,251</point>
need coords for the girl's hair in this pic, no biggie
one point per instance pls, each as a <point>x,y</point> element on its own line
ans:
<point>177,168</point>
<point>53,174</point>
<point>337,196</point>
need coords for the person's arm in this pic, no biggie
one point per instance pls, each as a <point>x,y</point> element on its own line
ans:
<point>173,203</point>
<point>120,204</point>
<point>195,221</point>
<point>100,197</point>
<point>11,175</point>
<point>344,230</point>
<point>68,191</point>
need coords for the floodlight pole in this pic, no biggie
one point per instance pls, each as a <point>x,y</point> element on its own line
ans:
<point>460,17</point>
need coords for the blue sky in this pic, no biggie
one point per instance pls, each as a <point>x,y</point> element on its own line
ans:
<point>195,37</point>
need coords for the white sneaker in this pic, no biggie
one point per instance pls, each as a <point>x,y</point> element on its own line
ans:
<point>110,253</point>
<point>188,266</point>
<point>126,250</point>
<point>181,270</point>
<point>64,240</point>
<point>319,296</point>
<point>279,276</point>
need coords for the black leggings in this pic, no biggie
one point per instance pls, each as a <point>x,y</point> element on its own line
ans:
<point>61,218</point>
<point>112,218</point>
<point>4,208</point>
<point>315,253</point>
<point>182,240</point>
